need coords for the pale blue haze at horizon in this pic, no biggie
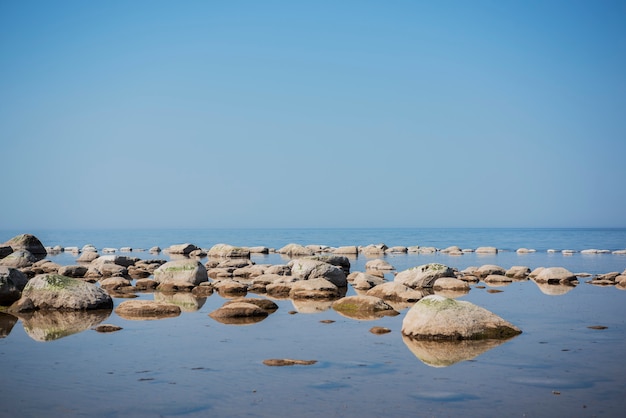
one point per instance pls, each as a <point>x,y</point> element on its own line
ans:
<point>312,114</point>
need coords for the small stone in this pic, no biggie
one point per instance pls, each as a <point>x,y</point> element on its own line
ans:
<point>288,362</point>
<point>380,330</point>
<point>107,328</point>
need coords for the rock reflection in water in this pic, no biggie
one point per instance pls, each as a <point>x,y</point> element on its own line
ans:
<point>249,320</point>
<point>52,325</point>
<point>7,322</point>
<point>312,306</point>
<point>556,289</point>
<point>446,353</point>
<point>186,301</point>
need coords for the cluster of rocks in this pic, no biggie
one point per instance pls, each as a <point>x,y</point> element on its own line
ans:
<point>315,278</point>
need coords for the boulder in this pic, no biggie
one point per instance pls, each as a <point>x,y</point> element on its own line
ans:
<point>99,270</point>
<point>450,283</point>
<point>317,288</point>
<point>188,270</point>
<point>349,250</point>
<point>486,250</point>
<point>335,260</point>
<point>373,249</point>
<point>308,269</point>
<point>18,259</point>
<point>120,260</point>
<point>146,310</point>
<point>423,276</point>
<point>396,250</point>
<point>56,292</point>
<point>396,292</point>
<point>518,272</point>
<point>73,271</point>
<point>18,278</point>
<point>266,304</point>
<point>439,318</point>
<point>487,269</point>
<point>363,307</point>
<point>279,269</point>
<point>5,250</point>
<point>497,279</point>
<point>259,250</point>
<point>555,275</point>
<point>27,242</point>
<point>230,287</point>
<point>293,250</point>
<point>364,281</point>
<point>9,292</point>
<point>378,264</point>
<point>87,257</point>
<point>115,283</point>
<point>182,248</point>
<point>249,312</point>
<point>230,251</point>
<point>453,249</point>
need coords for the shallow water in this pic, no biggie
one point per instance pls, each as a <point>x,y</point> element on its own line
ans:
<point>194,366</point>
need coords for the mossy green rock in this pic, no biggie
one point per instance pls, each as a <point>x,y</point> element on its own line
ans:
<point>191,271</point>
<point>439,318</point>
<point>56,292</point>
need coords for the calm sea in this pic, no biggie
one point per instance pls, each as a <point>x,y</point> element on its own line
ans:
<point>502,238</point>
<point>562,364</point>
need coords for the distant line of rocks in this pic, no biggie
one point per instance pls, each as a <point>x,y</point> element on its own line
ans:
<point>293,249</point>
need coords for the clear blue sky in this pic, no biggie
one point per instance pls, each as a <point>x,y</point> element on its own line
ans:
<point>312,114</point>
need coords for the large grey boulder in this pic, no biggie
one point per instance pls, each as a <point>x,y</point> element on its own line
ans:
<point>439,318</point>
<point>423,276</point>
<point>191,271</point>
<point>308,269</point>
<point>56,292</point>
<point>18,259</point>
<point>335,260</point>
<point>27,242</point>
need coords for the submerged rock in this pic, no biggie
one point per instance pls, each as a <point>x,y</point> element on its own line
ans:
<point>439,318</point>
<point>239,313</point>
<point>288,362</point>
<point>363,307</point>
